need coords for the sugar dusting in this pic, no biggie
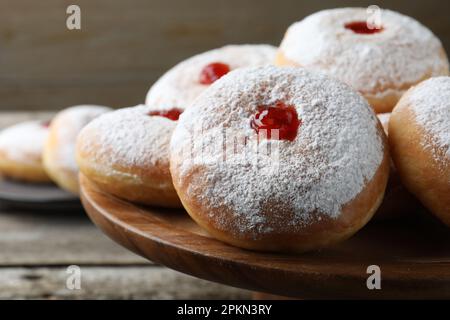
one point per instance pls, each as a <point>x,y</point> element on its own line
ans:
<point>430,102</point>
<point>180,85</point>
<point>24,141</point>
<point>402,54</point>
<point>69,123</point>
<point>337,150</point>
<point>128,137</point>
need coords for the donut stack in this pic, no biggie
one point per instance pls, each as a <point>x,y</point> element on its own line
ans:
<point>290,149</point>
<point>44,151</point>
<point>126,152</point>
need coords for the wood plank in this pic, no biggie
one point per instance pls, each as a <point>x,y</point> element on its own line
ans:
<point>37,96</point>
<point>111,283</point>
<point>57,238</point>
<point>8,118</point>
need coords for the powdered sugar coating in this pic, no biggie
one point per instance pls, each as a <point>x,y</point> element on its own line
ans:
<point>178,87</point>
<point>402,54</point>
<point>128,137</point>
<point>337,150</point>
<point>430,101</point>
<point>68,124</point>
<point>24,142</point>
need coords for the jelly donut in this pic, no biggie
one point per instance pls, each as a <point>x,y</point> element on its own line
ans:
<point>179,86</point>
<point>381,62</point>
<point>21,148</point>
<point>59,148</point>
<point>279,159</point>
<point>419,138</point>
<point>397,201</point>
<point>126,153</point>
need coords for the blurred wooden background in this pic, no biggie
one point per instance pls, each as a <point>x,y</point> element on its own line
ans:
<point>124,46</point>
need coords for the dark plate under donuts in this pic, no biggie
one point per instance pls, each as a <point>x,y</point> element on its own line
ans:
<point>36,196</point>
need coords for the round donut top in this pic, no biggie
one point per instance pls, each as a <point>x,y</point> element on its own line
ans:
<point>401,54</point>
<point>24,142</point>
<point>430,102</point>
<point>337,148</point>
<point>178,87</point>
<point>128,138</point>
<point>66,126</point>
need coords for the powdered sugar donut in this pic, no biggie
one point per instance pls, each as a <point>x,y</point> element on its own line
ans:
<point>381,63</point>
<point>21,151</point>
<point>126,153</point>
<point>397,201</point>
<point>59,149</point>
<point>183,83</point>
<point>419,137</point>
<point>279,159</point>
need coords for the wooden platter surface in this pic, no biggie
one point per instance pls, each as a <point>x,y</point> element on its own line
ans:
<point>413,255</point>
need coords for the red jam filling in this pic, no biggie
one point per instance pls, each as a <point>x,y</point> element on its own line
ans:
<point>277,116</point>
<point>46,124</point>
<point>172,114</point>
<point>361,27</point>
<point>213,72</point>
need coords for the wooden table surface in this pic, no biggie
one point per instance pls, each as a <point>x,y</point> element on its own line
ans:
<point>37,248</point>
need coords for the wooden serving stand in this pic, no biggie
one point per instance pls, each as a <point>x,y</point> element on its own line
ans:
<point>413,255</point>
